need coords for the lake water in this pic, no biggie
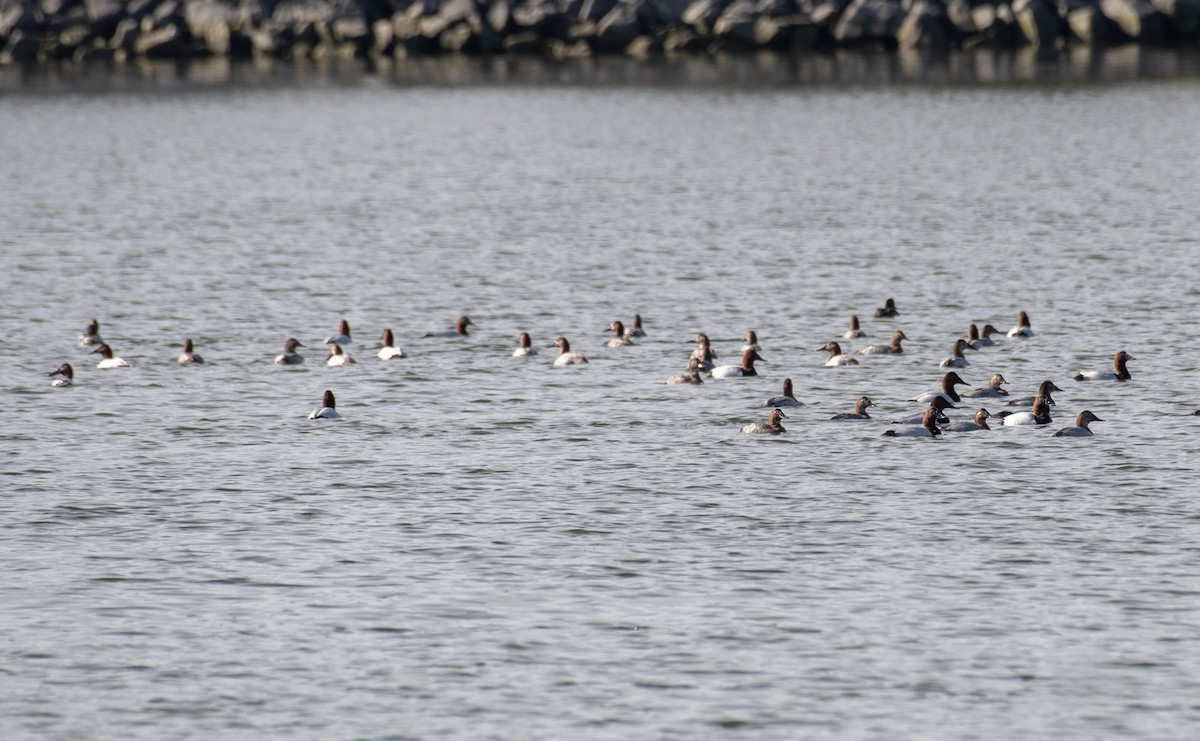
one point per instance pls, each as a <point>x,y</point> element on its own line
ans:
<point>487,547</point>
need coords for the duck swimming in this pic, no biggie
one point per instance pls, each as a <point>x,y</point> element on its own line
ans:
<point>976,423</point>
<point>887,310</point>
<point>1023,328</point>
<point>751,341</point>
<point>189,357</point>
<point>525,346</point>
<point>956,359</point>
<point>107,359</point>
<point>704,353</point>
<point>1082,420</point>
<point>836,357</point>
<point>289,356</point>
<point>619,339</point>
<point>860,410</point>
<point>785,399</point>
<point>1118,373</point>
<point>91,335</point>
<point>1043,391</point>
<point>770,427</point>
<point>328,408</point>
<point>1039,415</point>
<point>854,331</point>
<point>389,351</point>
<point>938,403</point>
<point>565,356</point>
<point>66,375</point>
<point>992,390</point>
<point>459,330</point>
<point>985,337</point>
<point>343,335</point>
<point>692,375</point>
<point>946,389</point>
<point>928,427</point>
<point>636,330</point>
<point>892,348</point>
<point>338,357</point>
<point>746,369</point>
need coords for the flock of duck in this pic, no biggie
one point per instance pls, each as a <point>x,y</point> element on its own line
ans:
<point>932,421</point>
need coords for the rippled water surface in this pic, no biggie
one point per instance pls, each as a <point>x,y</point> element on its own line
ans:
<point>490,547</point>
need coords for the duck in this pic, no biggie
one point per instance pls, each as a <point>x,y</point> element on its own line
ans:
<point>854,332</point>
<point>459,329</point>
<point>328,408</point>
<point>343,335</point>
<point>860,410</point>
<point>1039,415</point>
<point>938,403</point>
<point>770,427</point>
<point>956,359</point>
<point>525,346</point>
<point>91,335</point>
<point>289,356</point>
<point>785,399</point>
<point>744,370</point>
<point>751,340</point>
<point>636,330</point>
<point>107,359</point>
<point>1023,328</point>
<point>1043,391</point>
<point>976,423</point>
<point>189,357</point>
<point>566,356</point>
<point>985,337</point>
<point>887,310</point>
<point>692,375</point>
<point>1118,373</point>
<point>704,353</point>
<point>892,348</point>
<point>66,375</point>
<point>619,338</point>
<point>1082,420</point>
<point>338,356</point>
<point>991,390</point>
<point>836,358</point>
<point>389,351</point>
<point>927,428</point>
<point>945,389</point>
<point>972,336</point>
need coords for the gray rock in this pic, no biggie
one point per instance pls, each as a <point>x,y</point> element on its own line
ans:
<point>1089,26</point>
<point>1183,18</point>
<point>208,23</point>
<point>866,21</point>
<point>618,28</point>
<point>703,14</point>
<point>926,26</point>
<point>1039,22</point>
<point>1137,18</point>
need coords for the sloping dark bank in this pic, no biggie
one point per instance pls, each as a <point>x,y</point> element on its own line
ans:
<point>45,30</point>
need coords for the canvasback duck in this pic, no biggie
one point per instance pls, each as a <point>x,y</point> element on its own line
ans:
<point>338,356</point>
<point>746,369</point>
<point>107,359</point>
<point>459,329</point>
<point>992,390</point>
<point>1023,328</point>
<point>860,410</point>
<point>189,356</point>
<point>985,337</point>
<point>751,340</point>
<point>785,399</point>
<point>619,338</point>
<point>938,403</point>
<point>1039,415</point>
<point>1118,373</point>
<point>328,408</point>
<point>289,356</point>
<point>975,424</point>
<point>770,427</point>
<point>1082,420</point>
<point>945,389</point>
<point>692,375</point>
<point>956,359</point>
<point>525,346</point>
<point>566,356</point>
<point>927,428</point>
<point>972,336</point>
<point>343,335</point>
<point>836,357</point>
<point>887,310</point>
<point>66,375</point>
<point>704,353</point>
<point>91,335</point>
<point>636,330</point>
<point>892,348</point>
<point>389,351</point>
<point>1043,391</point>
<point>854,330</point>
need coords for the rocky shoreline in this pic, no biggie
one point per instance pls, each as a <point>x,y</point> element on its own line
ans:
<point>33,31</point>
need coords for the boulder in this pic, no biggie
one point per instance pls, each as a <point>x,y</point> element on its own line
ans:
<point>617,29</point>
<point>1138,19</point>
<point>869,21</point>
<point>1039,22</point>
<point>703,14</point>
<point>926,26</point>
<point>1089,26</point>
<point>208,23</point>
<point>1183,18</point>
<point>996,28</point>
